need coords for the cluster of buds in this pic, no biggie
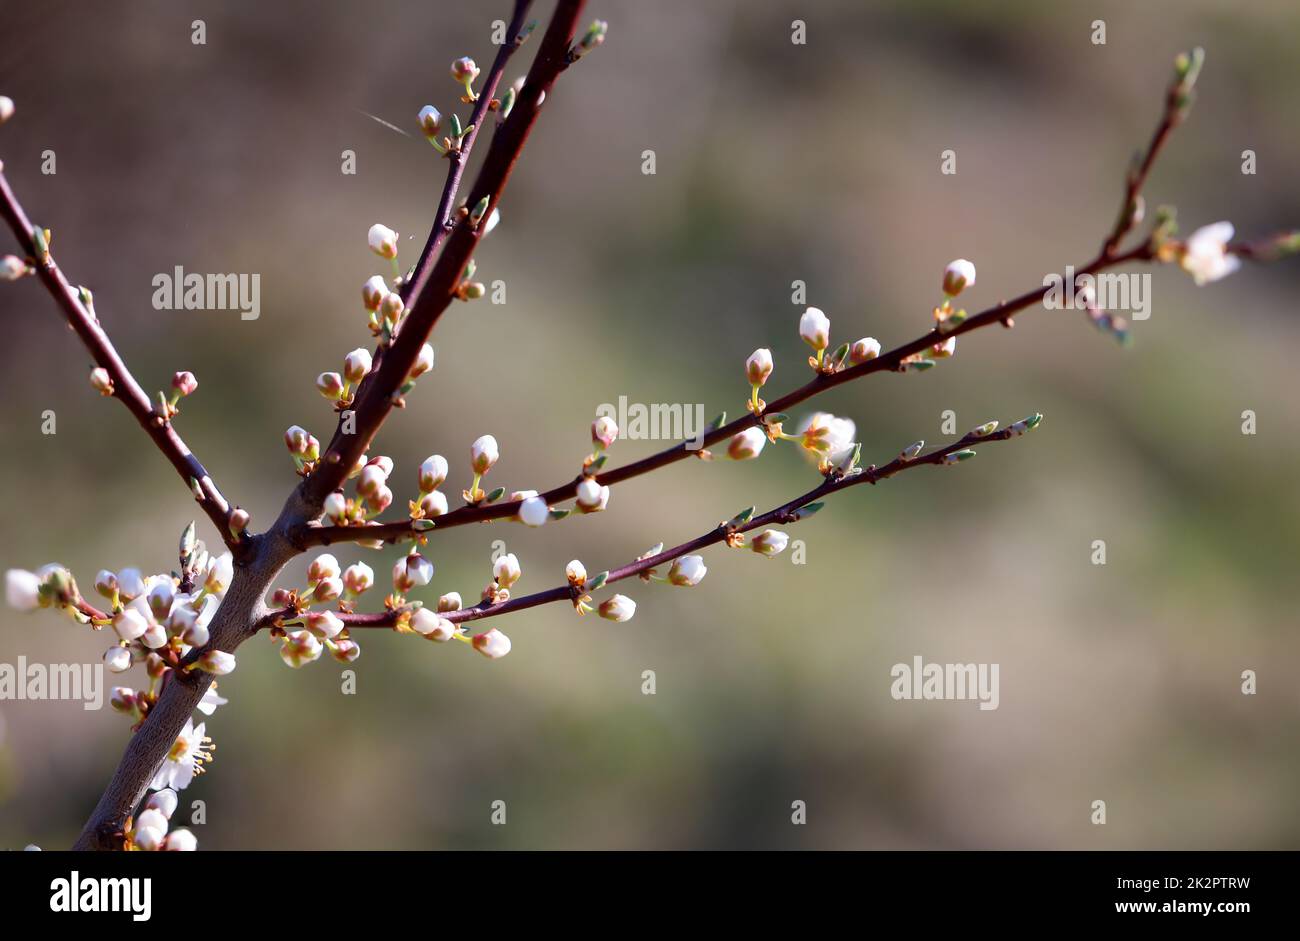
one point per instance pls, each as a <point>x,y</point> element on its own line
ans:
<point>373,495</point>
<point>304,447</point>
<point>340,388</point>
<point>433,625</point>
<point>148,831</point>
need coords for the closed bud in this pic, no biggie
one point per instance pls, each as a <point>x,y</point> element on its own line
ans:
<point>432,473</point>
<point>322,567</point>
<point>464,70</point>
<point>506,570</point>
<point>336,507</point>
<point>688,571</point>
<point>618,608</point>
<point>239,520</point>
<point>770,542</point>
<point>106,583</point>
<point>413,571</point>
<point>163,801</point>
<point>863,350</point>
<point>130,624</point>
<point>911,451</point>
<point>330,385</point>
<point>6,108</point>
<point>451,601</point>
<point>576,573</point>
<point>604,431</point>
<point>759,366</point>
<point>483,453</point>
<point>358,577</point>
<point>324,624</point>
<point>433,627</point>
<point>747,444</point>
<point>392,308</point>
<point>381,499</point>
<point>12,268</point>
<point>184,383</point>
<point>373,292</point>
<point>356,365</point>
<point>423,362</point>
<point>216,662</point>
<point>327,589</point>
<point>533,511</point>
<point>591,496</point>
<point>100,381</point>
<point>161,597</point>
<point>382,241</point>
<point>372,478</point>
<point>117,659</point>
<point>1025,424</point>
<point>815,329</point>
<point>956,457</point>
<point>345,651</point>
<point>297,440</point>
<point>300,647</point>
<point>180,841</point>
<point>433,504</point>
<point>430,121</point>
<point>122,699</point>
<point>959,275</point>
<point>154,636</point>
<point>494,645</point>
<point>985,429</point>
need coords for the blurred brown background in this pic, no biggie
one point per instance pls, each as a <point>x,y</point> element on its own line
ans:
<point>775,162</point>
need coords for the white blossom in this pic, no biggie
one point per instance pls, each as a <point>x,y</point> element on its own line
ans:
<point>1205,253</point>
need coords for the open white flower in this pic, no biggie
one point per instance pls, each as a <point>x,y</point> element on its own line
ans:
<point>210,701</point>
<point>185,759</point>
<point>1205,253</point>
<point>826,435</point>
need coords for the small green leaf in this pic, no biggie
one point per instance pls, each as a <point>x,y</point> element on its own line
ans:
<point>594,584</point>
<point>496,495</point>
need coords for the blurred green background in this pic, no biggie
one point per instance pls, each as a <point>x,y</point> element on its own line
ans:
<point>775,162</point>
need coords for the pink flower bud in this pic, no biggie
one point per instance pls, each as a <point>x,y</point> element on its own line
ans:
<point>327,589</point>
<point>381,499</point>
<point>297,439</point>
<point>336,506</point>
<point>770,542</point>
<point>464,70</point>
<point>184,383</point>
<point>345,651</point>
<point>430,121</point>
<point>323,623</point>
<point>330,385</point>
<point>392,308</point>
<point>591,496</point>
<point>117,659</point>
<point>300,647</point>
<point>372,478</point>
<point>604,431</point>
<point>451,601</point>
<point>358,577</point>
<point>357,365</point>
<point>130,624</point>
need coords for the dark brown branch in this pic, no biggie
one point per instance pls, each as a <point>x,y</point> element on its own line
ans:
<point>315,534</point>
<point>783,514</point>
<point>433,288</point>
<point>125,388</point>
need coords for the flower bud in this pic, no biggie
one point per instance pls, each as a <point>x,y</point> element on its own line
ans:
<point>430,121</point>
<point>195,635</point>
<point>358,577</point>
<point>130,584</point>
<point>449,602</point>
<point>180,841</point>
<point>322,567</point>
<point>163,801</point>
<point>297,439</point>
<point>1025,424</point>
<point>184,383</point>
<point>106,583</point>
<point>815,329</point>
<point>483,453</point>
<point>464,70</point>
<point>987,428</point>
<point>759,366</point>
<point>160,599</point>
<point>618,608</point>
<point>413,571</point>
<point>423,363</point>
<point>130,624</point>
<point>688,571</point>
<point>345,651</point>
<point>506,570</point>
<point>911,451</point>
<point>494,645</point>
<point>148,838</point>
<point>239,520</point>
<point>381,499</point>
<point>336,507</point>
<point>432,473</point>
<point>117,659</point>
<point>433,504</point>
<point>372,478</point>
<point>154,637</point>
<point>324,624</point>
<point>604,431</point>
<point>356,365</point>
<point>383,241</point>
<point>533,511</point>
<point>221,569</point>
<point>944,349</point>
<point>12,268</point>
<point>101,381</point>
<point>327,589</point>
<point>22,590</point>
<point>330,385</point>
<point>576,572</point>
<point>216,662</point>
<point>300,647</point>
<point>746,444</point>
<point>956,457</point>
<point>122,699</point>
<point>958,276</point>
<point>373,292</point>
<point>770,542</point>
<point>863,350</point>
<point>6,108</point>
<point>591,496</point>
<point>433,627</point>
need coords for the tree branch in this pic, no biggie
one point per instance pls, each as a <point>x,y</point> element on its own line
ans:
<point>125,387</point>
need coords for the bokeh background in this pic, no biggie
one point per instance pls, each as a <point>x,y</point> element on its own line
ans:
<point>775,162</point>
